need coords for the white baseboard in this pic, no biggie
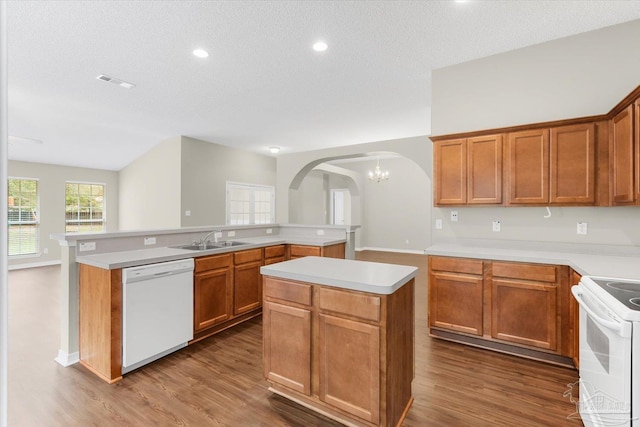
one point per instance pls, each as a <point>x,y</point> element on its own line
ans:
<point>67,359</point>
<point>33,265</point>
<point>402,251</point>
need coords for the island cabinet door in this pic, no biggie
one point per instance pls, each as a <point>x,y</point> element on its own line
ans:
<point>349,366</point>
<point>287,346</point>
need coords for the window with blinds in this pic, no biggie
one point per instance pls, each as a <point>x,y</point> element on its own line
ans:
<point>24,217</point>
<point>84,207</point>
<point>250,204</point>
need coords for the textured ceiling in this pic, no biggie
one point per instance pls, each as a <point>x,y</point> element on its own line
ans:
<point>262,84</point>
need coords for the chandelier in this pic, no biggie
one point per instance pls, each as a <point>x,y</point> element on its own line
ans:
<point>377,175</point>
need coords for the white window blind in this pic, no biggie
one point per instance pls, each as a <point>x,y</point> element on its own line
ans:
<point>84,207</point>
<point>24,217</point>
<point>250,204</point>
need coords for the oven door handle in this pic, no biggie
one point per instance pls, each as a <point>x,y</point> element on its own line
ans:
<point>621,329</point>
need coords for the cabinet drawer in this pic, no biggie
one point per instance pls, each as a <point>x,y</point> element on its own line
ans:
<point>359,305</point>
<point>213,262</point>
<point>457,265</point>
<point>536,272</point>
<point>299,250</point>
<point>250,255</point>
<point>274,251</point>
<point>287,291</point>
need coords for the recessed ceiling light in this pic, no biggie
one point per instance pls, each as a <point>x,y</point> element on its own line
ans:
<point>320,46</point>
<point>201,53</point>
<point>274,150</point>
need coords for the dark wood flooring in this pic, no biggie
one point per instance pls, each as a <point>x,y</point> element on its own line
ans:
<point>218,381</point>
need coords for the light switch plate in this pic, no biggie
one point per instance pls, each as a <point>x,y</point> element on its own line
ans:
<point>438,224</point>
<point>582,228</point>
<point>87,246</point>
<point>269,230</point>
<point>149,240</point>
<point>231,234</point>
<point>320,232</point>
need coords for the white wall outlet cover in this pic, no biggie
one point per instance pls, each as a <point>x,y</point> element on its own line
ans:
<point>187,213</point>
<point>454,216</point>
<point>217,235</point>
<point>582,228</point>
<point>438,224</point>
<point>269,230</point>
<point>87,246</point>
<point>149,240</point>
<point>496,225</point>
<point>231,234</point>
<point>320,232</point>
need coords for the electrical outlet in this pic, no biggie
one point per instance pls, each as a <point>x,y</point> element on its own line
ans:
<point>496,225</point>
<point>438,224</point>
<point>231,234</point>
<point>406,241</point>
<point>582,228</point>
<point>87,246</point>
<point>149,240</point>
<point>320,232</point>
<point>269,230</point>
<point>217,235</point>
<point>454,216</point>
<point>45,250</point>
<point>187,213</point>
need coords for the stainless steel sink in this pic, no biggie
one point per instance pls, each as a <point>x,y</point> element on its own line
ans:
<point>210,245</point>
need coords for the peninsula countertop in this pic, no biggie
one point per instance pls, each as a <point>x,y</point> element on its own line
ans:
<point>373,277</point>
<point>132,258</point>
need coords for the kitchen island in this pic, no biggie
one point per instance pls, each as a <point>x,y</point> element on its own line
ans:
<point>339,337</point>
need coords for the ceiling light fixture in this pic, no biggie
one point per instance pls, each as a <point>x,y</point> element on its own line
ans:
<point>274,150</point>
<point>201,53</point>
<point>115,81</point>
<point>377,175</point>
<point>320,46</point>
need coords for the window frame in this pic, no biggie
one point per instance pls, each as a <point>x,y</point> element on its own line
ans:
<point>36,222</point>
<point>252,213</point>
<point>104,207</point>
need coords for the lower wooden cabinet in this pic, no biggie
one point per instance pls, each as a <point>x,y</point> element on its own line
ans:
<point>330,251</point>
<point>212,291</point>
<point>513,307</point>
<point>574,325</point>
<point>347,354</point>
<point>247,282</point>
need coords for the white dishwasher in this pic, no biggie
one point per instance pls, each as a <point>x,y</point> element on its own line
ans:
<point>157,311</point>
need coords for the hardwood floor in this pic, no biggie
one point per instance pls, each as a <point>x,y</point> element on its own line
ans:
<point>218,381</point>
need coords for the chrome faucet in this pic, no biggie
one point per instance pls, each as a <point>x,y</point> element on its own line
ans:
<point>205,239</point>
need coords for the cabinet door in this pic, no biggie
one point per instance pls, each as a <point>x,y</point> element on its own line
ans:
<point>636,146</point>
<point>573,165</point>
<point>455,302</point>
<point>574,313</point>
<point>349,359</point>
<point>247,290</point>
<point>212,295</point>
<point>621,157</point>
<point>525,313</point>
<point>485,170</point>
<point>528,167</point>
<point>298,251</point>
<point>287,346</point>
<point>450,172</point>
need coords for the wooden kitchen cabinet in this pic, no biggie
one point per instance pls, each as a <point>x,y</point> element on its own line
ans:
<point>525,304</point>
<point>455,294</point>
<point>212,291</point>
<point>273,254</point>
<point>348,354</point>
<point>527,167</point>
<point>574,326</point>
<point>247,281</point>
<point>512,307</point>
<point>623,148</point>
<point>330,251</point>
<point>468,171</point>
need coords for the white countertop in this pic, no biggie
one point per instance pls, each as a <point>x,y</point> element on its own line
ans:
<point>586,260</point>
<point>373,277</point>
<point>132,258</point>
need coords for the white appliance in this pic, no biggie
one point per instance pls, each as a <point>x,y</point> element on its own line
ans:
<point>609,351</point>
<point>157,311</point>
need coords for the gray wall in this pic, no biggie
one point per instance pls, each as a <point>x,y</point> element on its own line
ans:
<point>52,179</point>
<point>576,76</point>
<point>185,174</point>
<point>205,169</point>
<point>311,205</point>
<point>150,189</point>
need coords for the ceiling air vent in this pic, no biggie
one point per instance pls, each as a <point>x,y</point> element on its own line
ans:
<point>115,81</point>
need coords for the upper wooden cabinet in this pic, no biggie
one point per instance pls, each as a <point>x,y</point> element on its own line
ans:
<point>468,171</point>
<point>621,155</point>
<point>554,166</point>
